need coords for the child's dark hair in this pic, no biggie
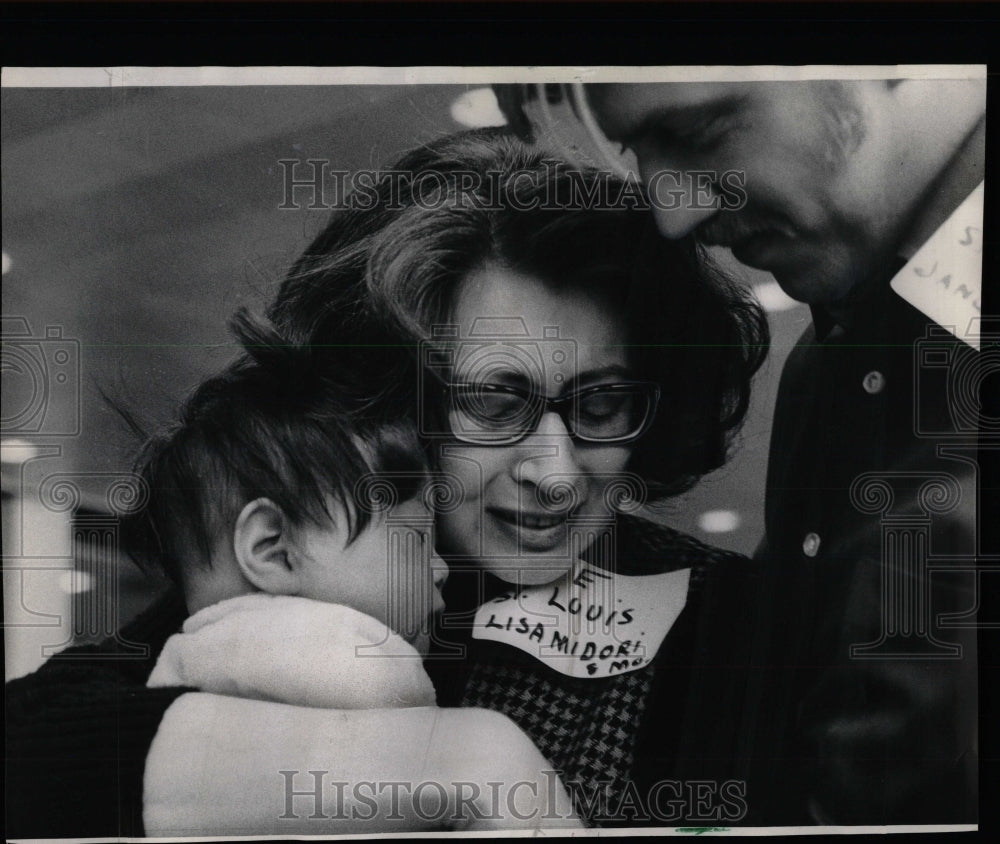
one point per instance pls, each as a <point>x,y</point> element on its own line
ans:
<point>278,423</point>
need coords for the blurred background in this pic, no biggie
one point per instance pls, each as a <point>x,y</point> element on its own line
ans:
<point>135,220</point>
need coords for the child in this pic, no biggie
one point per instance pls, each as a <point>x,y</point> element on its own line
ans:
<point>303,589</point>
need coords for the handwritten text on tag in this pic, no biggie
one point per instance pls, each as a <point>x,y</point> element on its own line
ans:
<point>589,623</point>
<point>944,279</point>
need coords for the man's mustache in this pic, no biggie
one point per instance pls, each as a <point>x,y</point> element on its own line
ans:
<point>728,227</point>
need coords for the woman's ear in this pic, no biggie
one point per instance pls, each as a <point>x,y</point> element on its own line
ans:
<point>262,543</point>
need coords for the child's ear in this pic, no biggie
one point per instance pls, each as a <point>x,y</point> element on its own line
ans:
<point>262,542</point>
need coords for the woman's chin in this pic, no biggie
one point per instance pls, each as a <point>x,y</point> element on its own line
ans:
<point>527,571</point>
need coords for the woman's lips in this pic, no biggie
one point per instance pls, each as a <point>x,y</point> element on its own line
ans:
<point>531,531</point>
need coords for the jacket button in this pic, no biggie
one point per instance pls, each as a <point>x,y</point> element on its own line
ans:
<point>810,545</point>
<point>873,382</point>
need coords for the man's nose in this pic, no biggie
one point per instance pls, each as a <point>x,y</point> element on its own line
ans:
<point>439,570</point>
<point>677,223</point>
<point>681,200</point>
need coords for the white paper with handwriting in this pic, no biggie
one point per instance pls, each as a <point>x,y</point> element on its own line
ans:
<point>589,623</point>
<point>944,279</point>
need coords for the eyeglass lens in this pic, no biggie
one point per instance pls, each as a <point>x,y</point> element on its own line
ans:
<point>502,414</point>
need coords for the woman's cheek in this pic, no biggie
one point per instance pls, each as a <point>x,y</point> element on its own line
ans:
<point>458,531</point>
<point>612,489</point>
<point>459,528</point>
<point>612,460</point>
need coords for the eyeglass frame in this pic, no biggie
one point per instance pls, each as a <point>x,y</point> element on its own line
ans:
<point>556,405</point>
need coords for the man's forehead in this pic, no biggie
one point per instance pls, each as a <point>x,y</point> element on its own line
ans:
<point>621,107</point>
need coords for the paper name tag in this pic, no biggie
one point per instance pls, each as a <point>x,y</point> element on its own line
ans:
<point>944,279</point>
<point>589,623</point>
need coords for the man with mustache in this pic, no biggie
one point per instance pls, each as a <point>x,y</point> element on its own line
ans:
<point>864,199</point>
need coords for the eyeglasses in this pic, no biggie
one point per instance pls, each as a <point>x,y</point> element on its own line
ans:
<point>499,414</point>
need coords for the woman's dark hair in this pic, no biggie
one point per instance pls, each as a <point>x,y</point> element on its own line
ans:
<point>384,274</point>
<point>278,423</point>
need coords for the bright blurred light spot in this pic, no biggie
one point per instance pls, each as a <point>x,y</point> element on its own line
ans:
<point>719,521</point>
<point>478,108</point>
<point>772,298</point>
<point>14,451</point>
<point>6,263</point>
<point>74,582</point>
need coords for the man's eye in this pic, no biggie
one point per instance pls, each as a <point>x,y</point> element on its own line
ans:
<point>701,137</point>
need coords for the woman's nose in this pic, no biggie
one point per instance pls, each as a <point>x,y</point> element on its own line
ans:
<point>552,430</point>
<point>556,470</point>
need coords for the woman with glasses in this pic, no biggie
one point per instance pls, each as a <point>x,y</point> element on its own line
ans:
<point>570,366</point>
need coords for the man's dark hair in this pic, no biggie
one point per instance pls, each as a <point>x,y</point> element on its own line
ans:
<point>278,423</point>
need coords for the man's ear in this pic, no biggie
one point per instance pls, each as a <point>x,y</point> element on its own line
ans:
<point>262,543</point>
